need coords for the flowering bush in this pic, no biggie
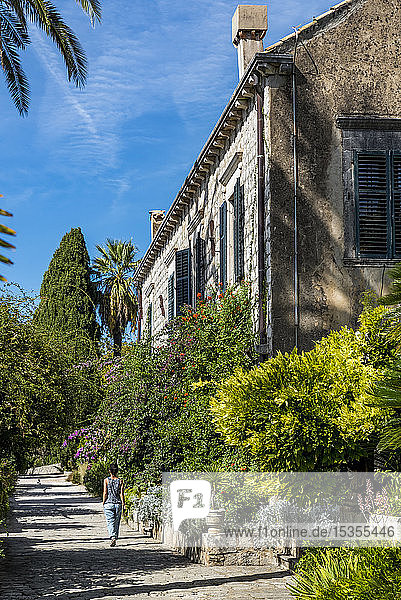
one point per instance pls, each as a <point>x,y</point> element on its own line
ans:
<point>373,502</point>
<point>155,415</point>
<point>150,505</point>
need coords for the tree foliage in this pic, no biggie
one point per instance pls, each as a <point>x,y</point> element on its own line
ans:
<point>67,297</point>
<point>42,393</point>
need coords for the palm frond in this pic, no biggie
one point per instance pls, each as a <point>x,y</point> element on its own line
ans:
<point>387,394</point>
<point>3,243</point>
<point>45,15</point>
<point>13,28</point>
<point>16,79</point>
<point>390,438</point>
<point>112,274</point>
<point>93,8</point>
<point>394,295</point>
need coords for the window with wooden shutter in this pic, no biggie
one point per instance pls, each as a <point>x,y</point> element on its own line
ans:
<point>200,264</point>
<point>397,202</point>
<point>170,297</point>
<point>183,279</point>
<point>238,232</point>
<point>149,320</point>
<point>223,245</point>
<point>378,191</point>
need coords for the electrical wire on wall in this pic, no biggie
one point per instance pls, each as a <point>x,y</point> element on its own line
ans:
<point>295,160</point>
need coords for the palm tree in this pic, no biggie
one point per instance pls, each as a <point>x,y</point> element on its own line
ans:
<point>388,395</point>
<point>3,243</point>
<point>113,275</point>
<point>14,37</point>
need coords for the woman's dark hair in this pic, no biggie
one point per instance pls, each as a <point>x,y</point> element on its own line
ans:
<point>113,469</point>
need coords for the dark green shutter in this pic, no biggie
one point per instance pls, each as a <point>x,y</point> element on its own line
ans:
<point>223,245</point>
<point>170,297</point>
<point>238,232</point>
<point>397,202</point>
<point>378,194</point>
<point>183,279</point>
<point>200,260</point>
<point>373,204</point>
<point>149,320</point>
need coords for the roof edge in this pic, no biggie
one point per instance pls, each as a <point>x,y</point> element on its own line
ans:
<point>260,60</point>
<point>318,23</point>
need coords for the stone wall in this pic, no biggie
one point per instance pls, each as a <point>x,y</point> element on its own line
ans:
<point>236,160</point>
<point>348,67</point>
<point>211,552</point>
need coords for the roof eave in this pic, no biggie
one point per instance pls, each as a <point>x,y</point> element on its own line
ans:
<point>260,60</point>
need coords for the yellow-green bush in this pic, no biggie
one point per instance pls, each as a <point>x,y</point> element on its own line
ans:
<point>310,410</point>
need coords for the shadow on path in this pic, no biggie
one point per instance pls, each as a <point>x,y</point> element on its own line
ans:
<point>58,548</point>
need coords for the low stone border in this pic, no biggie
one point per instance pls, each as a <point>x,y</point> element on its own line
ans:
<point>210,553</point>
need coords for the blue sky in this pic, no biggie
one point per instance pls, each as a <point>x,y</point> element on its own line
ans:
<point>160,73</point>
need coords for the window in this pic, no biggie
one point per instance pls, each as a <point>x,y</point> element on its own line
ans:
<point>223,245</point>
<point>200,260</point>
<point>378,203</point>
<point>149,319</point>
<point>183,279</point>
<point>170,297</point>
<point>238,232</point>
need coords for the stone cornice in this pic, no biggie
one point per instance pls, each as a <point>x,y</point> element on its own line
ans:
<point>262,64</point>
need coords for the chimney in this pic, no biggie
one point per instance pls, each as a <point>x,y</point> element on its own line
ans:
<point>249,27</point>
<point>156,218</point>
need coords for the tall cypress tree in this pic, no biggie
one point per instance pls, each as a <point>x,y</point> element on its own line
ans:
<point>67,296</point>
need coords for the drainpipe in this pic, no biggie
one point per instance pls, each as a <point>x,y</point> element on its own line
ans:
<point>295,160</point>
<point>261,224</point>
<point>139,314</point>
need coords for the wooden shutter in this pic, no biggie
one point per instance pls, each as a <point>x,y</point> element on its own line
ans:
<point>200,260</point>
<point>223,245</point>
<point>373,204</point>
<point>238,232</point>
<point>170,297</point>
<point>397,202</point>
<point>150,320</point>
<point>183,279</point>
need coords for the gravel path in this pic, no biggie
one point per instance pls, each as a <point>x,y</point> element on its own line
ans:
<point>58,548</point>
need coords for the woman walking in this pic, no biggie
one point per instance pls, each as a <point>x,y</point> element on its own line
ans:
<point>113,502</point>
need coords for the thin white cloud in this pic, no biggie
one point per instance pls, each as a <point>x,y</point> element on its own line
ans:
<point>166,55</point>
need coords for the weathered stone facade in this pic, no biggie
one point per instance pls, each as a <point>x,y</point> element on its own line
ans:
<point>347,79</point>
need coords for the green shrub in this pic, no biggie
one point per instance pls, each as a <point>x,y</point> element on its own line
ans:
<point>42,392</point>
<point>95,476</point>
<point>349,574</point>
<point>8,479</point>
<point>156,412</point>
<point>308,411</point>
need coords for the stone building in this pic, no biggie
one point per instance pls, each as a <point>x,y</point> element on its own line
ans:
<point>298,188</point>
